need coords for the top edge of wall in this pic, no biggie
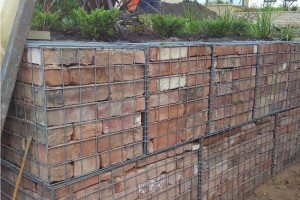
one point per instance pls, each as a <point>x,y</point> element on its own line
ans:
<point>61,44</point>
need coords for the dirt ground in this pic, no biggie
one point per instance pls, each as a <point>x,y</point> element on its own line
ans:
<point>284,186</point>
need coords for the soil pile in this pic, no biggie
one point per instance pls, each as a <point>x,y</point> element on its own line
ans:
<point>179,9</point>
<point>285,186</point>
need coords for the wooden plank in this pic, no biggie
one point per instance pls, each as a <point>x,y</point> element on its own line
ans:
<point>14,50</point>
<point>38,35</point>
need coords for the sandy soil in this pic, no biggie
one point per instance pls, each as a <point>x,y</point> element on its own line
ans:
<point>284,186</point>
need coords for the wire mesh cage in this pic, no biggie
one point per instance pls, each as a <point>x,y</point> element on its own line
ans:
<point>194,120</point>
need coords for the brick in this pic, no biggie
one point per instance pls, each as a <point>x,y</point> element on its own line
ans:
<point>152,186</point>
<point>112,141</point>
<point>116,108</point>
<point>198,79</point>
<point>278,78</point>
<point>163,99</point>
<point>224,88</point>
<point>165,127</point>
<point>124,90</point>
<point>87,130</point>
<point>164,113</point>
<point>129,73</point>
<point>121,123</point>
<point>273,69</point>
<point>196,126</point>
<point>199,51</point>
<point>170,83</point>
<point>242,85</point>
<point>224,76</point>
<point>274,58</point>
<point>183,66</point>
<point>60,173</point>
<point>53,75</point>
<point>194,93</point>
<point>58,56</point>
<point>196,106</point>
<point>98,191</point>
<point>242,73</point>
<point>134,150</point>
<point>112,157</point>
<point>274,48</point>
<point>166,140</point>
<point>59,97</point>
<point>86,165</point>
<point>228,62</point>
<point>53,136</point>
<point>68,115</point>
<point>168,53</point>
<point>235,50</point>
<point>130,181</point>
<point>91,75</point>
<point>119,57</point>
<point>68,152</point>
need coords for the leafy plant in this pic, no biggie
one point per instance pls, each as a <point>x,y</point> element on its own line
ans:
<point>287,33</point>
<point>193,18</point>
<point>294,8</point>
<point>228,25</point>
<point>99,24</point>
<point>263,23</point>
<point>168,25</point>
<point>44,20</point>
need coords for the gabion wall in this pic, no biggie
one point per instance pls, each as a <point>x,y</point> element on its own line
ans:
<point>177,120</point>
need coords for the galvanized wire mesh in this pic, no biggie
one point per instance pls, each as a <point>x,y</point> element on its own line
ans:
<point>152,121</point>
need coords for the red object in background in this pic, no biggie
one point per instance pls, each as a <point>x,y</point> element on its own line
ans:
<point>133,5</point>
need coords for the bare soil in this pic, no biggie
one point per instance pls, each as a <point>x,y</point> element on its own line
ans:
<point>284,186</point>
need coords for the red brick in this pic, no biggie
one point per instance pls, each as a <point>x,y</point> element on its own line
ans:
<point>112,157</point>
<point>121,123</point>
<point>112,141</point>
<point>128,73</point>
<point>166,140</point>
<point>163,128</point>
<point>98,191</point>
<point>53,75</point>
<point>69,115</point>
<point>91,75</point>
<point>87,130</point>
<point>196,126</point>
<point>166,112</point>
<point>184,66</point>
<point>198,79</point>
<point>116,108</point>
<point>110,57</point>
<point>68,152</point>
<point>235,50</point>
<point>242,73</point>
<point>194,93</point>
<point>199,51</point>
<point>274,59</point>
<point>273,69</point>
<point>196,106</point>
<point>124,90</point>
<point>274,48</point>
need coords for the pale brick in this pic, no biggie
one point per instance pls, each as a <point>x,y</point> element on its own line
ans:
<point>171,83</point>
<point>86,165</point>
